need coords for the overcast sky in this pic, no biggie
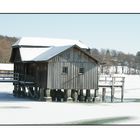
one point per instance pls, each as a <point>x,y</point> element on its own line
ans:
<point>111,31</point>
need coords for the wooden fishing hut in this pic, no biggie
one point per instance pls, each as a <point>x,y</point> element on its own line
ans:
<point>54,69</point>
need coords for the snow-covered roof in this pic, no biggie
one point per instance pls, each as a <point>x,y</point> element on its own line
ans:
<point>28,54</point>
<point>50,53</point>
<point>46,42</point>
<point>43,49</point>
<point>41,54</point>
<point>4,66</point>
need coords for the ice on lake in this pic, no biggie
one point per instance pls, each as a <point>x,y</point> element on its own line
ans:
<point>24,111</point>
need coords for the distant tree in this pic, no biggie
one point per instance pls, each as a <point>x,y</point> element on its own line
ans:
<point>138,60</point>
<point>95,53</point>
<point>5,48</point>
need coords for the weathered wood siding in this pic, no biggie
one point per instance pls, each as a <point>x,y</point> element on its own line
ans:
<point>73,59</point>
<point>49,74</point>
<point>32,72</point>
<point>41,74</point>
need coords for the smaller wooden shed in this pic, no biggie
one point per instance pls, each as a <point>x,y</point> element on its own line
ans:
<point>58,68</point>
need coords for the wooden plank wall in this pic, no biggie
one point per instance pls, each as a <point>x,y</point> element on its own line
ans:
<point>49,74</point>
<point>73,59</point>
<point>32,72</point>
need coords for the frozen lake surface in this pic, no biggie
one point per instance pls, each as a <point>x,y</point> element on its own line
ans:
<point>24,111</point>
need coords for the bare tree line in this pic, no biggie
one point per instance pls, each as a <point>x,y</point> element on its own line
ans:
<point>115,58</point>
<point>106,57</point>
<point>5,48</point>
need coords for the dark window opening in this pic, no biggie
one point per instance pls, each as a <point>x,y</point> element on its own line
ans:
<point>65,70</point>
<point>81,70</point>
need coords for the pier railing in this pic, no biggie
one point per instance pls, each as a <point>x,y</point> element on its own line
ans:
<point>15,77</point>
<point>111,80</point>
<point>9,77</point>
<point>108,81</point>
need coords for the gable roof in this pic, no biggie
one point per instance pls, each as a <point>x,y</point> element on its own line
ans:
<point>46,42</point>
<point>43,49</point>
<point>50,53</point>
<point>45,54</point>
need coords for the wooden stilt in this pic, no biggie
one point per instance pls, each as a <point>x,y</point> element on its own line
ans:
<point>15,90</point>
<point>112,90</point>
<point>65,95</point>
<point>112,94</point>
<point>59,95</point>
<point>74,95</point>
<point>35,92</point>
<point>26,91</point>
<point>122,89</point>
<point>88,96</point>
<point>41,94</point>
<point>122,94</point>
<point>53,94</point>
<point>95,95</point>
<point>19,91</point>
<point>69,95</point>
<point>103,94</point>
<point>31,92</point>
<point>48,98</point>
<point>23,91</point>
<point>81,97</point>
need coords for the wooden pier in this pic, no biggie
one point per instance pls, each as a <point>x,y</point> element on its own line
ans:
<point>9,77</point>
<point>111,82</point>
<point>25,85</point>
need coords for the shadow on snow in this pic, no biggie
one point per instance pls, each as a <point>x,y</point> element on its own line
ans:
<point>6,96</point>
<point>101,121</point>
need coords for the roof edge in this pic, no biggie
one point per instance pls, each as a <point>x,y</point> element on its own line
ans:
<point>87,53</point>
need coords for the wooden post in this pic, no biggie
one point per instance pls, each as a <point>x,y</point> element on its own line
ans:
<point>59,95</point>
<point>88,96</point>
<point>74,95</point>
<point>65,96</point>
<point>112,90</point>
<point>41,94</point>
<point>31,92</point>
<point>48,98</point>
<point>103,94</point>
<point>122,89</point>
<point>26,91</point>
<point>53,94</point>
<point>19,91</point>
<point>23,91</point>
<point>69,95</point>
<point>81,96</point>
<point>15,90</point>
<point>35,92</point>
<point>95,95</point>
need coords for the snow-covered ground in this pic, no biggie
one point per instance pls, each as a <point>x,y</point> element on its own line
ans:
<point>24,111</point>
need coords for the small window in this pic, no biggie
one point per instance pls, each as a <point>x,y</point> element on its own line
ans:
<point>81,70</point>
<point>65,70</point>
